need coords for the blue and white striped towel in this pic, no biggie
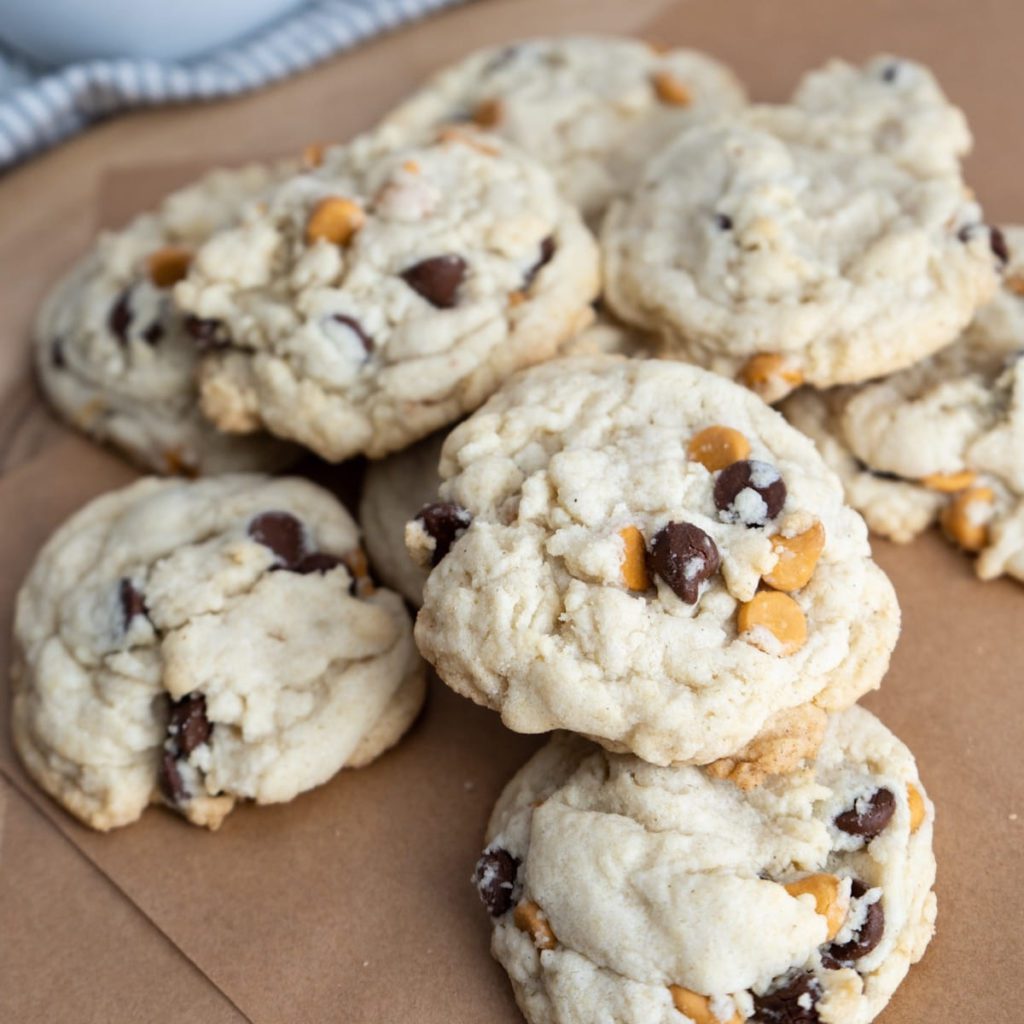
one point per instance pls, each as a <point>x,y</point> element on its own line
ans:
<point>41,107</point>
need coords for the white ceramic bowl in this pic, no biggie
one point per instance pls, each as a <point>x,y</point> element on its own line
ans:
<point>60,31</point>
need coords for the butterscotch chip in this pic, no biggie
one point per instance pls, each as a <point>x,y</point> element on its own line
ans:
<point>777,614</point>
<point>949,483</point>
<point>717,447</point>
<point>698,1007</point>
<point>826,890</point>
<point>798,557</point>
<point>916,804</point>
<point>670,90</point>
<point>167,266</point>
<point>334,220</point>
<point>634,559</point>
<point>1014,284</point>
<point>529,918</point>
<point>313,155</point>
<point>965,518</point>
<point>488,113</point>
<point>770,375</point>
<point>178,465</point>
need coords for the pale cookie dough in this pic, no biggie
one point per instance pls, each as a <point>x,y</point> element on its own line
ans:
<point>118,361</point>
<point>386,293</point>
<point>761,247</point>
<point>592,573</point>
<point>202,643</point>
<point>942,440</point>
<point>624,892</point>
<point>397,487</point>
<point>592,109</point>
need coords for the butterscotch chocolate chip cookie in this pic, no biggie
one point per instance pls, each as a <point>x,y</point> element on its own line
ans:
<point>783,244</point>
<point>203,643</point>
<point>623,891</point>
<point>940,441</point>
<point>645,553</point>
<point>117,359</point>
<point>368,302</point>
<point>591,109</point>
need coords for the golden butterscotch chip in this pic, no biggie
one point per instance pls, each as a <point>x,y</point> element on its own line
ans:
<point>167,266</point>
<point>770,375</point>
<point>916,804</point>
<point>670,90</point>
<point>359,567</point>
<point>334,220</point>
<point>488,113</point>
<point>634,559</point>
<point>797,558</point>
<point>965,518</point>
<point>529,918</point>
<point>178,465</point>
<point>1015,284</point>
<point>697,1007</point>
<point>826,891</point>
<point>516,298</point>
<point>717,447</point>
<point>949,483</point>
<point>777,614</point>
<point>313,155</point>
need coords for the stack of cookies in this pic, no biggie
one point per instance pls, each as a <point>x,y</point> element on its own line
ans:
<point>605,263</point>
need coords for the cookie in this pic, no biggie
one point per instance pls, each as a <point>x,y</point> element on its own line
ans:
<point>942,440</point>
<point>369,302</point>
<point>592,109</point>
<point>117,360</point>
<point>625,892</point>
<point>200,643</point>
<point>761,249</point>
<point>645,553</point>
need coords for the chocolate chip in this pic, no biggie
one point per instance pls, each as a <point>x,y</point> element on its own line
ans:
<point>794,1002</point>
<point>868,936</point>
<point>890,73</point>
<point>723,222</point>
<point>57,354</point>
<point>437,279</point>
<point>153,333</point>
<point>495,879</point>
<point>997,241</point>
<point>283,534</point>
<point>445,522</point>
<point>120,318</point>
<point>749,492</point>
<point>872,817</point>
<point>132,602</point>
<point>684,556</point>
<point>170,781</point>
<point>357,328</point>
<point>547,250</point>
<point>207,334</point>
<point>319,561</point>
<point>188,726</point>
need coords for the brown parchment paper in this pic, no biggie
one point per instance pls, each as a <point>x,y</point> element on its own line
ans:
<point>352,903</point>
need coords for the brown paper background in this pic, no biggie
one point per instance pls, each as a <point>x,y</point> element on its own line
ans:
<point>352,903</point>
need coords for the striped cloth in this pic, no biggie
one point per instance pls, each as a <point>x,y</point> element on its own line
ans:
<point>40,107</point>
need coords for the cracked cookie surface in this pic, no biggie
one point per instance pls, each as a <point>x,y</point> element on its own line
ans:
<point>591,572</point>
<point>202,643</point>
<point>623,891</point>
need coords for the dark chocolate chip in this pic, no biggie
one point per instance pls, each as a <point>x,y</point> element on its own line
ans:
<point>357,328</point>
<point>437,279</point>
<point>868,936</point>
<point>283,534</point>
<point>794,1002</point>
<point>875,814</point>
<point>319,561</point>
<point>445,522</point>
<point>723,222</point>
<point>740,485</point>
<point>890,73</point>
<point>495,879</point>
<point>547,250</point>
<point>57,354</point>
<point>153,333</point>
<point>207,334</point>
<point>170,781</point>
<point>120,318</point>
<point>188,726</point>
<point>132,602</point>
<point>997,240</point>
<point>684,556</point>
